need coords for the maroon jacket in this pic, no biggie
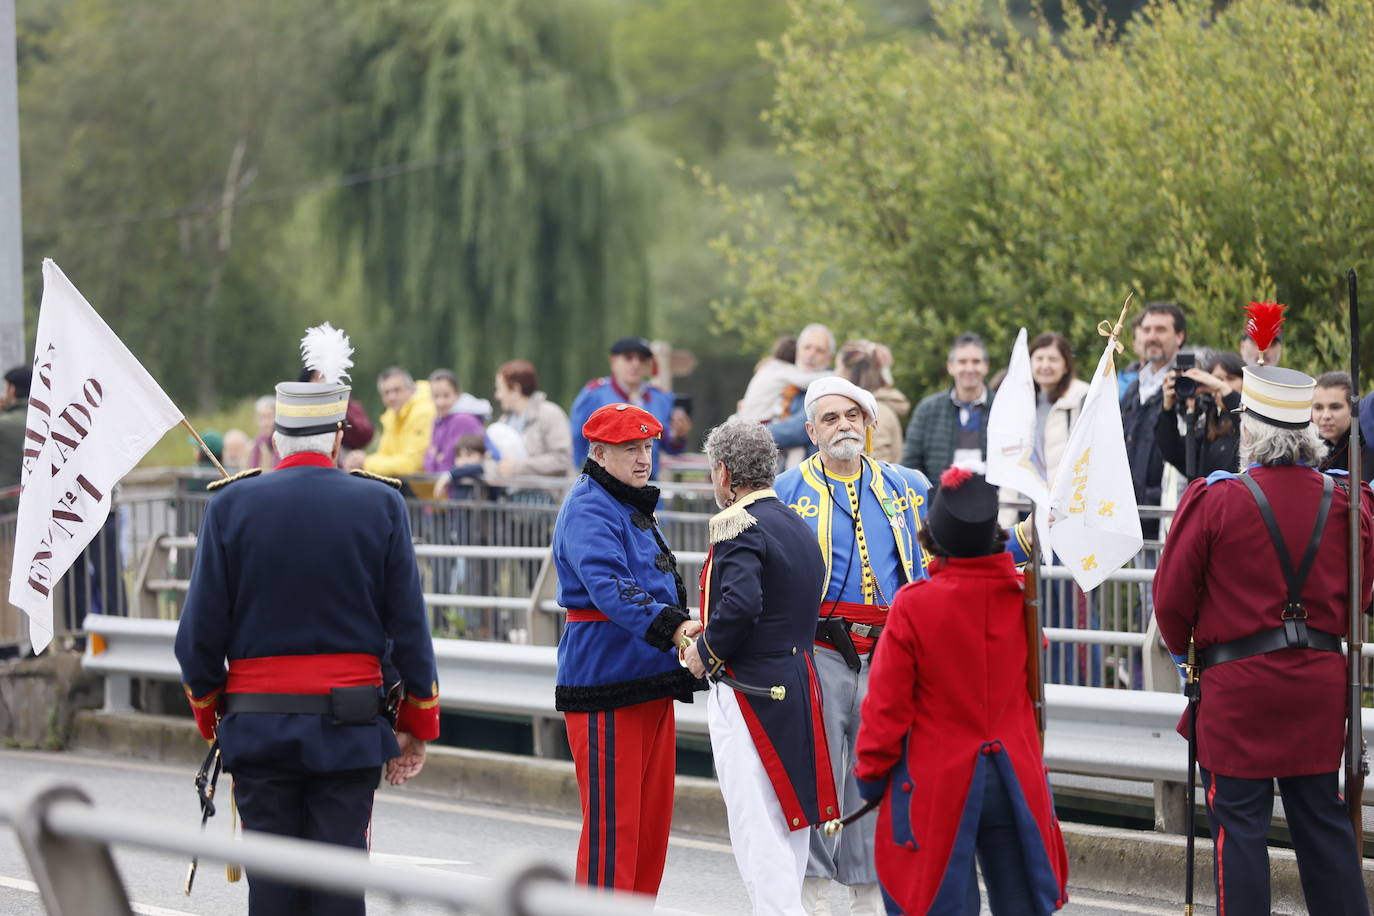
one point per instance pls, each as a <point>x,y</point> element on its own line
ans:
<point>1282,713</point>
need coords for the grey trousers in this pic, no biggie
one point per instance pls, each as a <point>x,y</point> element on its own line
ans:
<point>847,857</point>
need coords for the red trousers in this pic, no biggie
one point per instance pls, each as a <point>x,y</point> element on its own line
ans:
<point>625,760</point>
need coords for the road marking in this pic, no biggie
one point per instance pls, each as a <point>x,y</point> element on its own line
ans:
<point>534,820</point>
<point>1118,906</point>
<point>144,909</point>
<point>393,860</point>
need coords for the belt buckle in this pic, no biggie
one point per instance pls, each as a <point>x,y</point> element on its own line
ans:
<point>860,629</point>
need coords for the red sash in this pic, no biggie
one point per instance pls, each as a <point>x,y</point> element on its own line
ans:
<point>871,614</point>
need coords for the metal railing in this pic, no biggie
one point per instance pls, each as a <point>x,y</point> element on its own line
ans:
<point>66,841</point>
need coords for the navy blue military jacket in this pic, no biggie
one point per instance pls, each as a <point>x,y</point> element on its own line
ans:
<point>307,561</point>
<point>761,586</point>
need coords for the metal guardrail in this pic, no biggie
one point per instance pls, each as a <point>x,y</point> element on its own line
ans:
<point>67,840</point>
<point>1092,731</point>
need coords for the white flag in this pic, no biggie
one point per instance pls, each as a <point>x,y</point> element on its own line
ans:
<point>1094,521</point>
<point>1016,457</point>
<point>94,412</point>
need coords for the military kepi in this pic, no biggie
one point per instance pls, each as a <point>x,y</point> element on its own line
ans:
<point>617,423</point>
<point>1277,396</point>
<point>1274,395</point>
<point>313,408</point>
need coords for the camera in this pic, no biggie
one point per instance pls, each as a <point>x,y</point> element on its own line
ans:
<point>1184,388</point>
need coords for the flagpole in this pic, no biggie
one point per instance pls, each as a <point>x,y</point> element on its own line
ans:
<point>1113,332</point>
<point>205,448</point>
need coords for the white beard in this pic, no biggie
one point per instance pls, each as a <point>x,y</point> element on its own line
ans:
<point>844,450</point>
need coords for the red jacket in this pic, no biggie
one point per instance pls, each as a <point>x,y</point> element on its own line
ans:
<point>1282,713</point>
<point>946,697</point>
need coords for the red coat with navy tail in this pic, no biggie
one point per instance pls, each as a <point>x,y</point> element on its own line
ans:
<point>947,696</point>
<point>1281,713</point>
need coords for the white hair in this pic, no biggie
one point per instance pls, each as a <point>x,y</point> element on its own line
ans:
<point>1262,443</point>
<point>292,445</point>
<point>817,326</point>
<point>266,400</point>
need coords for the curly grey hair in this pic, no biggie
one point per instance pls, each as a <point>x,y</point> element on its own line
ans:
<point>747,450</point>
<point>1261,443</point>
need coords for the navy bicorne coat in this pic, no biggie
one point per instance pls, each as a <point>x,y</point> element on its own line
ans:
<point>760,588</point>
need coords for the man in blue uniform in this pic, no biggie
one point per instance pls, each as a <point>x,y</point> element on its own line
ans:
<point>865,514</point>
<point>618,672</point>
<point>303,578</point>
<point>760,583</point>
<point>632,362</point>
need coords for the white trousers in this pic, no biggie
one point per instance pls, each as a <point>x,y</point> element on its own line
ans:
<point>771,858</point>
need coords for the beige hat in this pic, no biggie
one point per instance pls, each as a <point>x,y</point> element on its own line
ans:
<point>833,384</point>
<point>1278,396</point>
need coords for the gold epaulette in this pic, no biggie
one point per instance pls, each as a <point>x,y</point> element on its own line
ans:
<point>225,481</point>
<point>394,482</point>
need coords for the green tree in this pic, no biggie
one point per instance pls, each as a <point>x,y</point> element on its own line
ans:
<point>144,128</point>
<point>513,212</point>
<point>987,178</point>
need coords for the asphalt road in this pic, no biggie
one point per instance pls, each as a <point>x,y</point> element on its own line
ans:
<point>410,829</point>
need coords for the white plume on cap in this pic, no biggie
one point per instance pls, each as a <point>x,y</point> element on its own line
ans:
<point>326,350</point>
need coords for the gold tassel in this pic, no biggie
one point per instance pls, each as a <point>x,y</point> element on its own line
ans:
<point>868,440</point>
<point>232,873</point>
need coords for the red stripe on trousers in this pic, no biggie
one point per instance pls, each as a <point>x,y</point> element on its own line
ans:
<point>1221,842</point>
<point>644,762</point>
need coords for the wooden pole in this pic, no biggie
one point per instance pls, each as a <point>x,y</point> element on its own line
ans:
<point>203,447</point>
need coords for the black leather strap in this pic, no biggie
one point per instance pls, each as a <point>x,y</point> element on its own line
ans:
<point>1288,636</point>
<point>1293,632</point>
<point>286,703</point>
<point>1295,579</point>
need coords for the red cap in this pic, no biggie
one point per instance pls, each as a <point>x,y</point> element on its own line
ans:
<point>617,423</point>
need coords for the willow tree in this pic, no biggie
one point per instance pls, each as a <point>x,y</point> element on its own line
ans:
<point>498,209</point>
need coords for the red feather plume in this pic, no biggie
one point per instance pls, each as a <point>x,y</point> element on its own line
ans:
<point>954,477</point>
<point>1265,321</point>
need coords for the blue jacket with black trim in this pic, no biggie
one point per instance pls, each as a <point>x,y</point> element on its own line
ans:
<point>611,558</point>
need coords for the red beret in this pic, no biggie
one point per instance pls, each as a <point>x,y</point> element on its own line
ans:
<point>617,423</point>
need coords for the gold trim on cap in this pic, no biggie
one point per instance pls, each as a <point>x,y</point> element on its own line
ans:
<point>1254,395</point>
<point>311,410</point>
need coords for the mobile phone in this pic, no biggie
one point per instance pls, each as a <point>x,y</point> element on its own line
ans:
<point>684,401</point>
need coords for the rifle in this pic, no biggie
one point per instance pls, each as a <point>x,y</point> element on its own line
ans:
<point>1035,680</point>
<point>1192,688</point>
<point>1356,762</point>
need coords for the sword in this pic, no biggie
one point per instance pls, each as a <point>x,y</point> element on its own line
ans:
<point>776,692</point>
<point>206,778</point>
<point>833,827</point>
<point>1193,690</point>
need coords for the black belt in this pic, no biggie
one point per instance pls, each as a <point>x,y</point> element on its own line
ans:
<point>306,704</point>
<point>1294,634</point>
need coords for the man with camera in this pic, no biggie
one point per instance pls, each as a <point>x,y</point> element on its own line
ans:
<point>1163,327</point>
<point>866,514</point>
<point>1202,399</point>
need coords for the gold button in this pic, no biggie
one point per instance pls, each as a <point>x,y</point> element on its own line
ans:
<point>829,809</point>
<point>796,822</point>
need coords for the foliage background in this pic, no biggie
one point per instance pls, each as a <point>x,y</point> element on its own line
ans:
<point>1000,173</point>
<point>461,182</point>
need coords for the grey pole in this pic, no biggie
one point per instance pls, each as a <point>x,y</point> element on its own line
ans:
<point>12,345</point>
